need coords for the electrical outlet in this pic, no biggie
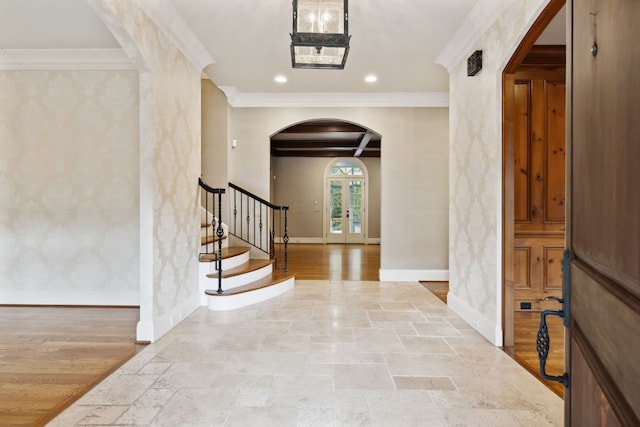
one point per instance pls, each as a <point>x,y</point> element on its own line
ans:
<point>525,306</point>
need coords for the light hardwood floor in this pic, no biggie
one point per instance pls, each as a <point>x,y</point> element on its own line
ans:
<point>50,356</point>
<point>334,262</point>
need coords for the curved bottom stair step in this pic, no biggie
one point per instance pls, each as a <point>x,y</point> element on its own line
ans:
<point>272,279</point>
<point>270,286</point>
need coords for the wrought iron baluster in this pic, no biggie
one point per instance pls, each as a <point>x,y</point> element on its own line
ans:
<point>260,224</point>
<point>272,236</point>
<point>216,228</point>
<point>206,221</point>
<point>219,233</point>
<point>285,239</point>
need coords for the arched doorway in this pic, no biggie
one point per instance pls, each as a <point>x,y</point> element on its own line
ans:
<point>345,201</point>
<point>302,157</point>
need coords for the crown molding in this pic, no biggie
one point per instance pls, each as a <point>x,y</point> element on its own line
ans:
<point>164,14</point>
<point>344,99</point>
<point>64,59</point>
<point>483,14</point>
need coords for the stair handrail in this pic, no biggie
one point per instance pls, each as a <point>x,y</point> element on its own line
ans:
<point>218,228</point>
<point>258,219</point>
<point>210,189</point>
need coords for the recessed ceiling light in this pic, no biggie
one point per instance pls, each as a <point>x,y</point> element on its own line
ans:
<point>280,79</point>
<point>370,78</point>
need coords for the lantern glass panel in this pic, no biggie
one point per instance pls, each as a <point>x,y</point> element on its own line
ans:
<point>327,55</point>
<point>320,16</point>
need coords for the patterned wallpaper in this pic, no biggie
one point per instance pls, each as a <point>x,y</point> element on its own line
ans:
<point>69,221</point>
<point>170,165</point>
<point>475,171</point>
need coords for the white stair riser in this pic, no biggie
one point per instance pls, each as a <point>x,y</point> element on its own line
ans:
<point>213,246</point>
<point>243,279</point>
<point>227,263</point>
<point>232,302</point>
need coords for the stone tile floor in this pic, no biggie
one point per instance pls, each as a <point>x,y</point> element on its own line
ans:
<point>325,354</point>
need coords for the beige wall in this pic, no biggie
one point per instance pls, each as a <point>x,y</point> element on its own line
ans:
<point>413,173</point>
<point>69,187</point>
<point>475,242</point>
<point>215,141</point>
<point>299,184</point>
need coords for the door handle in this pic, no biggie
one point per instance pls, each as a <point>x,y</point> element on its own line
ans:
<point>543,343</point>
<point>543,340</point>
<point>347,213</point>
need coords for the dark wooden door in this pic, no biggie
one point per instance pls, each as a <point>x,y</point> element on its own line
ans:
<point>603,347</point>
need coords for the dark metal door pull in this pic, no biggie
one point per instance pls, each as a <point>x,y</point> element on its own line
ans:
<point>542,345</point>
<point>542,341</point>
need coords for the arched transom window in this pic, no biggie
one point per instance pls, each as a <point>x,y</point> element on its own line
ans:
<point>345,168</point>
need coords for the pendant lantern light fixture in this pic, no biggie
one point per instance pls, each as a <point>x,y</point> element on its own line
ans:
<point>320,37</point>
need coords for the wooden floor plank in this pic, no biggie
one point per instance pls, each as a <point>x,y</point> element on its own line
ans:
<point>50,356</point>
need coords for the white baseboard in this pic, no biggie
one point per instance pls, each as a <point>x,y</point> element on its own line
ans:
<point>307,240</point>
<point>152,331</point>
<point>413,275</point>
<point>144,331</point>
<point>98,298</point>
<point>320,240</point>
<point>490,330</point>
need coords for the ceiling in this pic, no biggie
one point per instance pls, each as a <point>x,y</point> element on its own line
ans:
<point>398,41</point>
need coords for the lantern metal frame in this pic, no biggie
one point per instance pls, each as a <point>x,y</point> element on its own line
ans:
<point>320,41</point>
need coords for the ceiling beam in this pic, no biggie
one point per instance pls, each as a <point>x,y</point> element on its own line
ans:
<point>363,144</point>
<point>315,143</point>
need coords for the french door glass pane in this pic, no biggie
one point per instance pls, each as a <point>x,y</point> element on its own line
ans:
<point>355,206</point>
<point>335,217</point>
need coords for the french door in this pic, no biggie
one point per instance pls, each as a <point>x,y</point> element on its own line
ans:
<point>345,210</point>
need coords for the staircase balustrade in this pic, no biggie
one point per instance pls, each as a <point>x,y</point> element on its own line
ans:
<point>258,222</point>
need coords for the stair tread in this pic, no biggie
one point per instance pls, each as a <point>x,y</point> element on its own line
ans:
<point>272,279</point>
<point>226,253</point>
<point>204,240</point>
<point>247,267</point>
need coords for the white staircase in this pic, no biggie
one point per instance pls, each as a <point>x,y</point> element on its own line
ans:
<point>245,281</point>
